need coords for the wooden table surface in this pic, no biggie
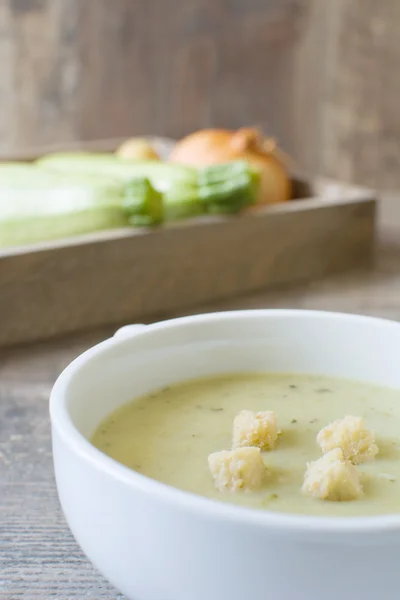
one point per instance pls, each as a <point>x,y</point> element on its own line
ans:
<point>38,556</point>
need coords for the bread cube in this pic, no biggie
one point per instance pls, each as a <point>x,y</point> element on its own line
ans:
<point>332,478</point>
<point>238,469</point>
<point>255,429</point>
<point>351,435</point>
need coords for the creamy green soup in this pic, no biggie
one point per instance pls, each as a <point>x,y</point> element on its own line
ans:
<point>169,434</point>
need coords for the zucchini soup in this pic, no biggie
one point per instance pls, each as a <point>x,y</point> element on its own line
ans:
<point>289,443</point>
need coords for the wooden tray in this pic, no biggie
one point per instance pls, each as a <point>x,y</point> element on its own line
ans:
<point>127,275</point>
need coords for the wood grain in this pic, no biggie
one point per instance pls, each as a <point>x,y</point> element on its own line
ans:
<point>84,70</point>
<point>321,76</point>
<point>348,86</point>
<point>112,277</point>
<point>39,559</point>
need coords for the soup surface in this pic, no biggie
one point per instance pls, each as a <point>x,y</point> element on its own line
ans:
<point>169,434</point>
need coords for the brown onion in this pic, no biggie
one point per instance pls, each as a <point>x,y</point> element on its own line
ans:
<point>210,146</point>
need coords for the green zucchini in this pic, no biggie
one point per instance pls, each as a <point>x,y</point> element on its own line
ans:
<point>35,206</point>
<point>69,194</point>
<point>162,175</point>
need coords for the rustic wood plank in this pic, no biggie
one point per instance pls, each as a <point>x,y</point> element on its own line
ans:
<point>39,71</point>
<point>190,66</point>
<point>322,77</point>
<point>117,47</point>
<point>348,85</point>
<point>84,70</point>
<point>7,107</point>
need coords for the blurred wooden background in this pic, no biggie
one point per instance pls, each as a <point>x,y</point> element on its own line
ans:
<point>321,75</point>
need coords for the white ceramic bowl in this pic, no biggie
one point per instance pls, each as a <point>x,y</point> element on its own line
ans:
<point>154,542</point>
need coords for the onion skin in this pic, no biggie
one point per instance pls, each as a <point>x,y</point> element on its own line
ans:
<point>212,146</point>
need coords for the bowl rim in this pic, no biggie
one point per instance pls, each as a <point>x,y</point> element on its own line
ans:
<point>271,520</point>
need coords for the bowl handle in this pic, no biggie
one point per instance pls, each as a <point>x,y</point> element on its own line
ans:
<point>128,330</point>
